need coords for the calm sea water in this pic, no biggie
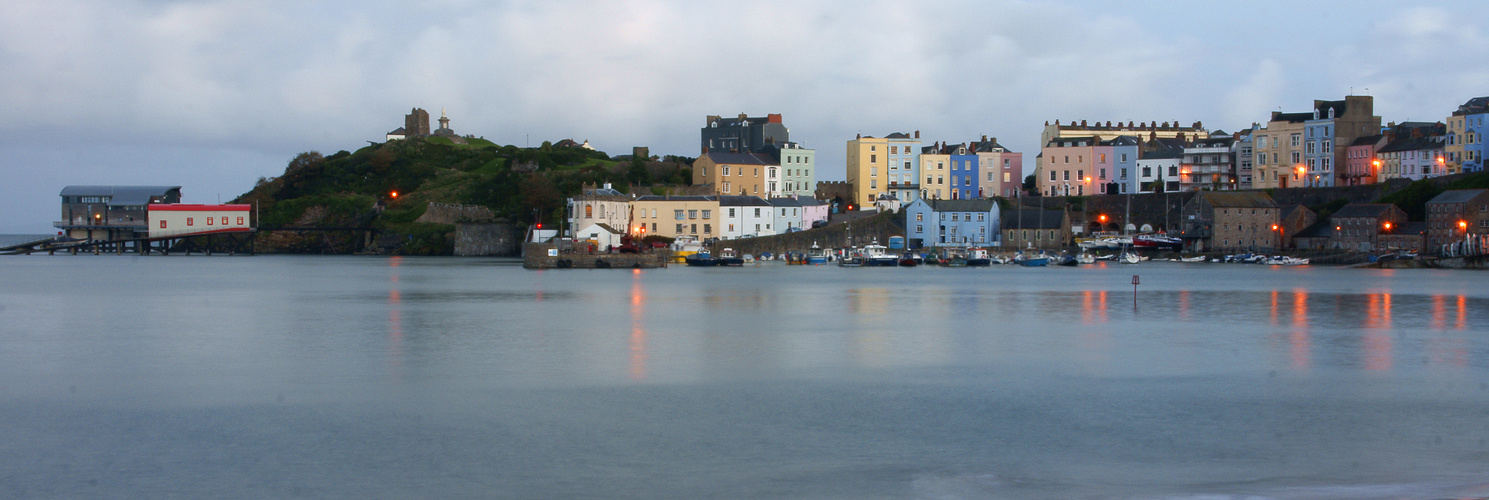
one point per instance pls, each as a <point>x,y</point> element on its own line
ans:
<point>370,377</point>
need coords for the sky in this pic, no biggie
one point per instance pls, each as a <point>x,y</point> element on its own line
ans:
<point>212,95</point>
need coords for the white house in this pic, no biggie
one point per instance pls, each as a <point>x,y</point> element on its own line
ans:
<point>599,206</point>
<point>745,216</point>
<point>787,214</point>
<point>603,236</point>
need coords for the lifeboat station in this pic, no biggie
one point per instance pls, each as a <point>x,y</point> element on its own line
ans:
<point>145,219</point>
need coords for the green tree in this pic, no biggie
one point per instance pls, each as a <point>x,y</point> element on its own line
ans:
<point>638,173</point>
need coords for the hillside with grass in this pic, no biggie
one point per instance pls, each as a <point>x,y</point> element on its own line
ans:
<point>388,186</point>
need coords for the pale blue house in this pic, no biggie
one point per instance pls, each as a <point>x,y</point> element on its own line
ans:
<point>952,223</point>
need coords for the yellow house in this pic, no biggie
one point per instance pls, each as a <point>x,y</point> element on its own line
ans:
<point>883,165</point>
<point>1454,148</point>
<point>676,216</point>
<point>736,173</point>
<point>1279,151</point>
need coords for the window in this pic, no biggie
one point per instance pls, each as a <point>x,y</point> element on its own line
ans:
<point>678,213</point>
<point>726,171</point>
<point>679,229</point>
<point>1103,158</point>
<point>653,227</point>
<point>224,221</point>
<point>1067,175</point>
<point>188,221</point>
<point>919,228</point>
<point>240,222</point>
<point>873,183</point>
<point>1052,175</point>
<point>694,228</point>
<point>873,159</point>
<point>953,217</point>
<point>980,217</point>
<point>708,229</point>
<point>162,224</point>
<point>653,213</point>
<point>708,214</point>
<point>589,211</point>
<point>1102,174</point>
<point>1297,139</point>
<point>209,220</point>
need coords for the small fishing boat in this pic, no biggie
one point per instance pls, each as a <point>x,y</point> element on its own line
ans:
<point>879,256</point>
<point>909,259</point>
<point>701,259</point>
<point>978,257</point>
<point>727,257</point>
<point>1129,258</point>
<point>816,255</point>
<point>1085,258</point>
<point>1028,260</point>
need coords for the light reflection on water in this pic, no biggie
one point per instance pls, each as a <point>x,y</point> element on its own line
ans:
<point>772,381</point>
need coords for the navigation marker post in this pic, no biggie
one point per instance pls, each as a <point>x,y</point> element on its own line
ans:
<point>1135,282</point>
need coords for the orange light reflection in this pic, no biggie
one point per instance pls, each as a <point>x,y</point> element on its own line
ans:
<point>637,343</point>
<point>1301,346</point>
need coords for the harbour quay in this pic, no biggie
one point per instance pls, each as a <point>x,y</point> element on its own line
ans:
<point>550,256</point>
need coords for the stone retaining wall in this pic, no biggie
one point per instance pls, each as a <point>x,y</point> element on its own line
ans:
<point>488,240</point>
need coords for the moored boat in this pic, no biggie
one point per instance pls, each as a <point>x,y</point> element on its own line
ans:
<point>1028,260</point>
<point>727,257</point>
<point>878,255</point>
<point>701,259</point>
<point>978,257</point>
<point>816,255</point>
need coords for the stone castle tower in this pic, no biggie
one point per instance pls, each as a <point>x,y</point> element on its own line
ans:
<point>416,123</point>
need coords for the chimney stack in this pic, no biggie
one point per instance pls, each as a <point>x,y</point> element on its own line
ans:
<point>917,134</point>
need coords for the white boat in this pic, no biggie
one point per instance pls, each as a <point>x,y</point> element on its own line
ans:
<point>878,255</point>
<point>1085,258</point>
<point>1192,259</point>
<point>1129,258</point>
<point>816,255</point>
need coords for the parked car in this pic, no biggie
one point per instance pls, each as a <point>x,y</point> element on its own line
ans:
<point>819,223</point>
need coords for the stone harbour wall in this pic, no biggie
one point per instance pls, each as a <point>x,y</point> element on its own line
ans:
<point>488,240</point>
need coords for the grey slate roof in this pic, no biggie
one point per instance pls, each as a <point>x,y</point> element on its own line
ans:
<point>1374,210</point>
<point>1473,106</point>
<point>652,197</point>
<point>1161,154</point>
<point>121,195</point>
<point>1031,219</point>
<point>741,159</point>
<point>742,201</point>
<point>1456,196</point>
<point>983,205</point>
<point>1293,117</point>
<point>1320,229</point>
<point>897,135</point>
